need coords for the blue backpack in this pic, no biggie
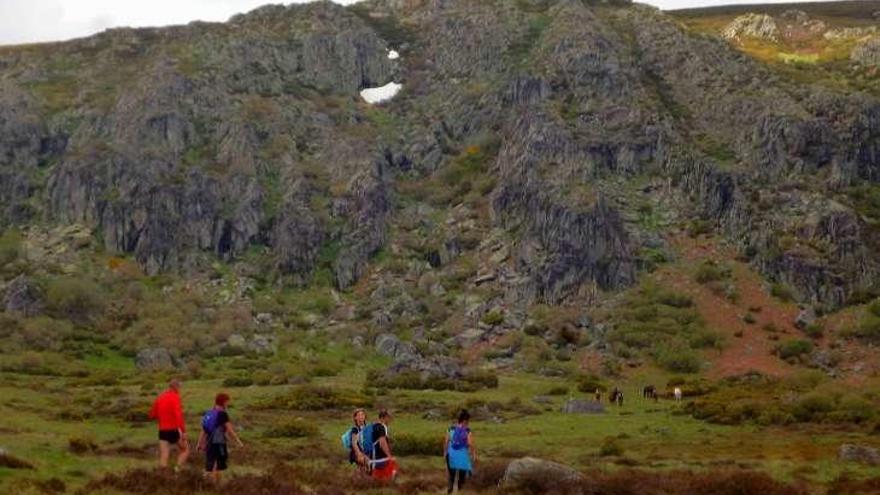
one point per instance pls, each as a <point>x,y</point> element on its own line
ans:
<point>209,420</point>
<point>346,439</point>
<point>366,438</point>
<point>459,438</point>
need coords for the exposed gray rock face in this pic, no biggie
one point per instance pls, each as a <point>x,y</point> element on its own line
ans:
<point>805,318</point>
<point>23,296</point>
<point>154,359</point>
<point>193,149</point>
<point>580,406</point>
<point>760,26</point>
<point>538,475</point>
<point>391,346</point>
<point>867,52</point>
<point>859,453</point>
<point>214,138</point>
<point>849,33</point>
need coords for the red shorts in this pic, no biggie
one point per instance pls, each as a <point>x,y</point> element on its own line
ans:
<point>386,472</point>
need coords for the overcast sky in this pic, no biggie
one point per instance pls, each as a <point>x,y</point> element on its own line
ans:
<point>26,21</point>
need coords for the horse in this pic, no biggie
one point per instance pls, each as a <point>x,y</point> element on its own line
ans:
<point>678,394</point>
<point>616,396</point>
<point>649,392</point>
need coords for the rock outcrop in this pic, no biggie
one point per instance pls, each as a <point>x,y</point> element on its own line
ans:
<point>154,359</point>
<point>760,26</point>
<point>182,143</point>
<point>867,52</point>
<point>23,296</point>
<point>860,454</point>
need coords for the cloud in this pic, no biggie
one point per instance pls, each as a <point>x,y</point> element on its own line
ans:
<point>28,21</point>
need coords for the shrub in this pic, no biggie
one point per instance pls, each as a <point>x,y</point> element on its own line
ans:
<point>679,359</point>
<point>315,398</point>
<point>749,318</point>
<point>814,331</point>
<point>770,327</point>
<point>699,227</point>
<point>610,447</point>
<point>412,380</point>
<point>238,381</point>
<point>12,462</point>
<point>292,428</point>
<point>589,383</point>
<point>407,444</point>
<point>81,445</point>
<point>76,299</point>
<point>782,292</point>
<point>494,317</point>
<point>794,348</point>
<point>10,247</point>
<point>710,271</point>
<point>813,407</point>
<point>558,391</point>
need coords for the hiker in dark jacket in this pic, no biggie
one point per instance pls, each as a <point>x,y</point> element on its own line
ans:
<point>384,465</point>
<point>216,426</point>
<point>460,452</point>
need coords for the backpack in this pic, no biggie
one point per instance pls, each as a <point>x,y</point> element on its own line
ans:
<point>346,439</point>
<point>459,438</point>
<point>209,421</point>
<point>366,440</point>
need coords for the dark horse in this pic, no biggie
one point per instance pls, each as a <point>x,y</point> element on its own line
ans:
<point>616,396</point>
<point>650,392</point>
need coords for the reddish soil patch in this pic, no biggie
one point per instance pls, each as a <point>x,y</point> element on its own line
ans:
<point>748,347</point>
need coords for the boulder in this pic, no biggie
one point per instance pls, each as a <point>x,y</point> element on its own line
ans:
<point>154,359</point>
<point>23,296</point>
<point>391,346</point>
<point>580,406</point>
<point>867,52</point>
<point>262,344</point>
<point>795,16</point>
<point>760,26</point>
<point>805,318</point>
<point>538,476</point>
<point>859,453</point>
<point>236,341</point>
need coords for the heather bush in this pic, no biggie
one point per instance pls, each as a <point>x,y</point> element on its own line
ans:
<point>292,428</point>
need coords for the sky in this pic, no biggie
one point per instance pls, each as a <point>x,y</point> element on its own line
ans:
<point>29,21</point>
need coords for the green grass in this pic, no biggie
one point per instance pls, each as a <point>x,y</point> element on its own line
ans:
<point>649,433</point>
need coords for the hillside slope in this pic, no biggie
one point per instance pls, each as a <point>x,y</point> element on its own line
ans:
<point>541,153</point>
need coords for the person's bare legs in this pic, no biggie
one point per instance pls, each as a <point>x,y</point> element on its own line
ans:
<point>183,452</point>
<point>164,453</point>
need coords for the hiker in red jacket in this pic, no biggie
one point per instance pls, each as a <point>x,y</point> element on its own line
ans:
<point>168,411</point>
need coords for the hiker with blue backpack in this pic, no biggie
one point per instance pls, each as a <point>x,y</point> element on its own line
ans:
<point>216,425</point>
<point>353,440</point>
<point>459,452</point>
<point>377,446</point>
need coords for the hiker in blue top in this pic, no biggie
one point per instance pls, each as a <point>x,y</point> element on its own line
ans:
<point>459,452</point>
<point>212,440</point>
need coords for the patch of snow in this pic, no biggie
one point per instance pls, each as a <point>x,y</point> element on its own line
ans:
<point>384,93</point>
<point>393,55</point>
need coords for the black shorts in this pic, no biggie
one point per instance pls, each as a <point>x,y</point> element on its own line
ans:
<point>217,455</point>
<point>170,436</point>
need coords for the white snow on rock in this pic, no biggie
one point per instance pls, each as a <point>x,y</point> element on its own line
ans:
<point>393,55</point>
<point>384,93</point>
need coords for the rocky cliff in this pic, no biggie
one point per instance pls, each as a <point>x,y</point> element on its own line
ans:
<point>590,121</point>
